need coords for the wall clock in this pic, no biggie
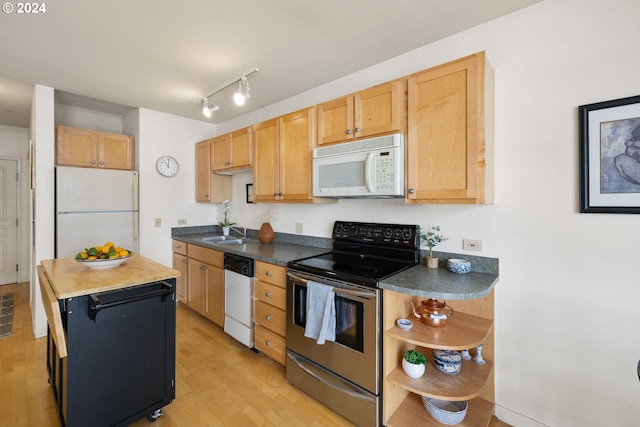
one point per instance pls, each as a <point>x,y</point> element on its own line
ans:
<point>167,166</point>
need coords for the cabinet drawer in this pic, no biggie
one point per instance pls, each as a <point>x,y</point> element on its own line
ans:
<point>271,294</point>
<point>179,247</point>
<point>271,344</point>
<point>206,255</point>
<point>271,273</point>
<point>271,318</point>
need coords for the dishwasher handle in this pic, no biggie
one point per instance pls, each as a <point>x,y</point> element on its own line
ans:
<point>95,306</point>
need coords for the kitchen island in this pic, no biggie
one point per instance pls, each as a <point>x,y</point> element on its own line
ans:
<point>111,339</point>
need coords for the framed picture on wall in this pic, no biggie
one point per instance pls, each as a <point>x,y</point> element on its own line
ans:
<point>610,156</point>
<point>249,193</point>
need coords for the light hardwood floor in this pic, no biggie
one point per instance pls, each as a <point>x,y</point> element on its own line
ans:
<point>219,382</point>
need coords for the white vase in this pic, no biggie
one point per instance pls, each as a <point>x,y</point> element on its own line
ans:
<point>225,231</point>
<point>413,370</point>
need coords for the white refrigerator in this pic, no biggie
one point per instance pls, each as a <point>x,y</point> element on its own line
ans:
<point>95,206</point>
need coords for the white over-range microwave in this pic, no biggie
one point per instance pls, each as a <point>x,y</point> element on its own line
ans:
<point>371,167</point>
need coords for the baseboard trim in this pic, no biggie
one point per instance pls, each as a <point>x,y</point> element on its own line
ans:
<point>516,419</point>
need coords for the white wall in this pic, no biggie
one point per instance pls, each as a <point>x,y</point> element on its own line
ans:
<point>567,317</point>
<point>168,198</point>
<point>14,144</point>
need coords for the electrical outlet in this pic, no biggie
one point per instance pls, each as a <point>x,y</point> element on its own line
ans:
<point>158,222</point>
<point>299,227</point>
<point>472,245</point>
<point>182,221</point>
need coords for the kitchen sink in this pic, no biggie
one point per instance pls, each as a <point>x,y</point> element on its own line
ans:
<point>225,240</point>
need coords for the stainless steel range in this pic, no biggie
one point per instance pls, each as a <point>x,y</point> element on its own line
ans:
<point>336,356</point>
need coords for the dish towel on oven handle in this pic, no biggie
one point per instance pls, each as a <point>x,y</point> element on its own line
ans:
<point>321,313</point>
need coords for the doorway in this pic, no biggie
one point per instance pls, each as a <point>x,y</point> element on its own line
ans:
<point>8,221</point>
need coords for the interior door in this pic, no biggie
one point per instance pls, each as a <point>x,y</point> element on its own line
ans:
<point>8,221</point>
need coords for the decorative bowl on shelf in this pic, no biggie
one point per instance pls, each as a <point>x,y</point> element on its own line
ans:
<point>404,324</point>
<point>99,264</point>
<point>447,361</point>
<point>460,266</point>
<point>444,411</point>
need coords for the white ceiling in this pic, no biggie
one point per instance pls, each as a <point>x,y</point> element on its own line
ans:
<point>161,55</point>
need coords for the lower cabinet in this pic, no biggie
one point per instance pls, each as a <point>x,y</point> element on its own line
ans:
<point>180,264</point>
<point>271,283</point>
<point>205,282</point>
<point>470,326</point>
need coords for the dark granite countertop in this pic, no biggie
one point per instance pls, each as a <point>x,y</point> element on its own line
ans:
<point>283,249</point>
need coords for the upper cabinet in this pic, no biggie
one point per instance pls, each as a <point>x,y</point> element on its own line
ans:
<point>450,133</point>
<point>231,151</point>
<point>93,149</point>
<point>210,187</point>
<point>283,149</point>
<point>374,111</point>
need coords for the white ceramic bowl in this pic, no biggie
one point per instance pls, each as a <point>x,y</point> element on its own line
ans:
<point>460,266</point>
<point>104,263</point>
<point>404,324</point>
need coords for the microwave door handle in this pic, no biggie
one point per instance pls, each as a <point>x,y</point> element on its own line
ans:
<point>369,172</point>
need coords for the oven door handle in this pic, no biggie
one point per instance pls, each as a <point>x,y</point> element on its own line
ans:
<point>338,290</point>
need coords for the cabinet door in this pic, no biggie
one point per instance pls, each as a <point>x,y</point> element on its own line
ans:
<point>196,279</point>
<point>265,169</point>
<point>446,149</point>
<point>76,147</point>
<point>240,148</point>
<point>203,171</point>
<point>335,120</point>
<point>380,109</point>
<point>115,151</point>
<point>214,294</point>
<point>220,153</point>
<point>296,144</point>
<point>180,264</point>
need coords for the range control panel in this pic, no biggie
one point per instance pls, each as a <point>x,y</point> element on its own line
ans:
<point>406,236</point>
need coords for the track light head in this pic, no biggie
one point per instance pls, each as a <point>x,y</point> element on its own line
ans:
<point>208,108</point>
<point>243,91</point>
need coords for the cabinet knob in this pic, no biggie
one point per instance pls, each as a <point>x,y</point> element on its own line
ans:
<point>268,343</point>
<point>267,294</point>
<point>101,163</point>
<point>357,130</point>
<point>411,191</point>
<point>348,131</point>
<point>93,162</point>
<point>202,267</point>
<point>268,273</point>
<point>268,317</point>
<point>280,194</point>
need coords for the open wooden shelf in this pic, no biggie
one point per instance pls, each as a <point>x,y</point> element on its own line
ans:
<point>413,413</point>
<point>461,331</point>
<point>467,384</point>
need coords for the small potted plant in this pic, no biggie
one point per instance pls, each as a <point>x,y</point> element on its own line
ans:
<point>414,363</point>
<point>432,238</point>
<point>226,207</point>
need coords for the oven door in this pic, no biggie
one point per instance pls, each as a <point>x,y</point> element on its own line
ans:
<point>355,353</point>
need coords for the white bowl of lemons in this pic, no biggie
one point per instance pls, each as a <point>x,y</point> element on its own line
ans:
<point>103,256</point>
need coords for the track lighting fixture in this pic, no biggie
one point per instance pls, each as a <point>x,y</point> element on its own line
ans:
<point>243,92</point>
<point>208,107</point>
<point>240,97</point>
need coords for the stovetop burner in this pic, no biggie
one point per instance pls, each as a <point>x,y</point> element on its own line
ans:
<point>365,253</point>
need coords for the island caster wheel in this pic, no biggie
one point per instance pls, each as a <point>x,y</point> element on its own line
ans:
<point>154,415</point>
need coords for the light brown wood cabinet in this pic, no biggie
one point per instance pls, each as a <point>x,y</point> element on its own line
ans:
<point>471,325</point>
<point>210,187</point>
<point>270,294</point>
<point>205,282</point>
<point>450,133</point>
<point>374,111</point>
<point>93,149</point>
<point>282,149</point>
<point>180,264</point>
<point>231,151</point>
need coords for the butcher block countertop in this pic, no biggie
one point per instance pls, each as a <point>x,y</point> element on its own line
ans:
<point>69,278</point>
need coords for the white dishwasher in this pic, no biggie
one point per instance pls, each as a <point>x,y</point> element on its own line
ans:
<point>238,298</point>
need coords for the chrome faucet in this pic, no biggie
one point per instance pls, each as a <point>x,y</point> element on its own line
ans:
<point>243,232</point>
